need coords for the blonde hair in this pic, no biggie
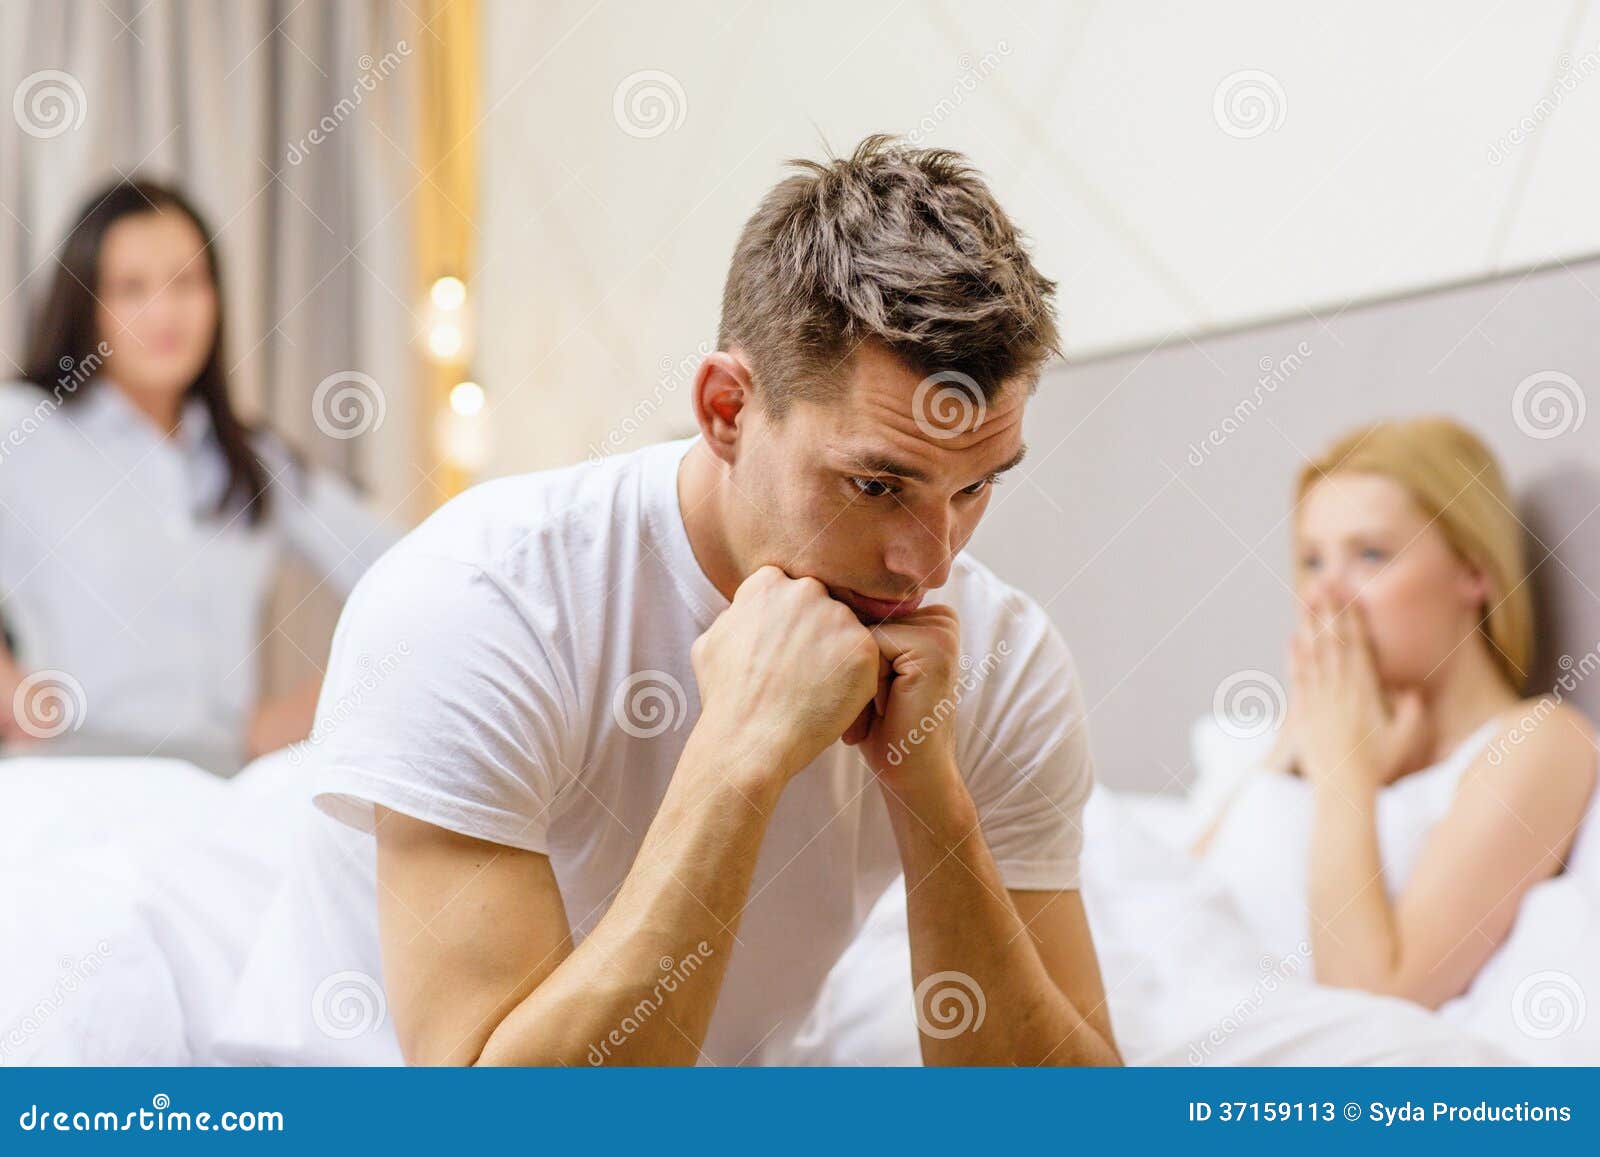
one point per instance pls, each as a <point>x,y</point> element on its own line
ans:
<point>1455,481</point>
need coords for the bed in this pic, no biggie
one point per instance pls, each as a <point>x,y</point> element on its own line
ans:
<point>138,887</point>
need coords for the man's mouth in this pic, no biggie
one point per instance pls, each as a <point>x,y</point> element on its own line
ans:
<point>874,609</point>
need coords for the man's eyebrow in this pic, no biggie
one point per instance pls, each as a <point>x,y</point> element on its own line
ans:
<point>1014,461</point>
<point>883,465</point>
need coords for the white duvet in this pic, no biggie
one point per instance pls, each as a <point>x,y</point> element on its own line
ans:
<point>133,891</point>
<point>1190,980</point>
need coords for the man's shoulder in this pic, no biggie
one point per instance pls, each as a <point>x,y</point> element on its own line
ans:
<point>994,612</point>
<point>564,516</point>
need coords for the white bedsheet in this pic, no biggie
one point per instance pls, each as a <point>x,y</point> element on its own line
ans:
<point>134,890</point>
<point>1187,984</point>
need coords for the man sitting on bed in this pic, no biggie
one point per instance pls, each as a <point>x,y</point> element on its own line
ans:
<point>656,731</point>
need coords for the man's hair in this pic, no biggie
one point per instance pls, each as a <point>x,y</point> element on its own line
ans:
<point>902,246</point>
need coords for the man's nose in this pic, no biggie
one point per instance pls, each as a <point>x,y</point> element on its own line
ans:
<point>919,552</point>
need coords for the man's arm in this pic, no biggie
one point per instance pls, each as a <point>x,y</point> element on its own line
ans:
<point>478,957</point>
<point>1025,958</point>
<point>973,945</point>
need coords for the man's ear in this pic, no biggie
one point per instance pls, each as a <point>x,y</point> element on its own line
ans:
<point>723,388</point>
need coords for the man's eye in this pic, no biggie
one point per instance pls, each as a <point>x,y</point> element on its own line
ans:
<point>872,487</point>
<point>981,485</point>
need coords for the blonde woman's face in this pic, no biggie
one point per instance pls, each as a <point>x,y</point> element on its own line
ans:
<point>1360,539</point>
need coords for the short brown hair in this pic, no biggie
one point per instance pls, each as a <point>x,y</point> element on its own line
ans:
<point>903,246</point>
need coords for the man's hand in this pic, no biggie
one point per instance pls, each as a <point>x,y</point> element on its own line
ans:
<point>784,670</point>
<point>921,658</point>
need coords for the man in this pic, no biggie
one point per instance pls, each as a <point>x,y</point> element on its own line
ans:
<point>657,731</point>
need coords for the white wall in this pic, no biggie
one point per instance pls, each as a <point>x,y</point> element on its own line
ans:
<point>602,252</point>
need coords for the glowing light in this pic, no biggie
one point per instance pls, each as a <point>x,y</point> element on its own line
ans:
<point>445,339</point>
<point>449,293</point>
<point>466,398</point>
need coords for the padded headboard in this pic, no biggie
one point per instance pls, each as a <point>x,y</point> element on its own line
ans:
<point>1150,517</point>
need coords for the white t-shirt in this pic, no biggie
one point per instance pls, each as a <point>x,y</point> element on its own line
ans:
<point>517,670</point>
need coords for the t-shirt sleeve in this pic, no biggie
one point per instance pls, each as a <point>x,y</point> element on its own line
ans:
<point>441,701</point>
<point>1028,751</point>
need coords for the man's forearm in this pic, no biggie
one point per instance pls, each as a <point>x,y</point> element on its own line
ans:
<point>641,987</point>
<point>962,920</point>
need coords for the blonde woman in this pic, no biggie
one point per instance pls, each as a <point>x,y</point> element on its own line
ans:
<point>1413,795</point>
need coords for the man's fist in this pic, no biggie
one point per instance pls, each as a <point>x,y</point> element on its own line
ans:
<point>785,669</point>
<point>914,714</point>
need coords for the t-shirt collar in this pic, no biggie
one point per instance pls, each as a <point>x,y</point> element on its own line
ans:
<point>669,534</point>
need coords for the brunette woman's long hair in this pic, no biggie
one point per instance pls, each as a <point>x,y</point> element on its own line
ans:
<point>64,331</point>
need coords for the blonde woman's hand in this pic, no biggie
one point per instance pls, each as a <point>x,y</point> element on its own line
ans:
<point>1347,732</point>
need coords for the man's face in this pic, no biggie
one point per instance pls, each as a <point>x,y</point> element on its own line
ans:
<point>874,492</point>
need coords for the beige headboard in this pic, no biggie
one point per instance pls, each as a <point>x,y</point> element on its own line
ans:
<point>1151,521</point>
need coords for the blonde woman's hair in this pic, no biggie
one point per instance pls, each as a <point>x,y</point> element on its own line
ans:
<point>1456,483</point>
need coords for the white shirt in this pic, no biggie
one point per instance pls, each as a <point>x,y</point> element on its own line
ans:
<point>517,670</point>
<point>116,572</point>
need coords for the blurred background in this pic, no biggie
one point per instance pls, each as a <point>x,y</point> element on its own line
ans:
<point>468,238</point>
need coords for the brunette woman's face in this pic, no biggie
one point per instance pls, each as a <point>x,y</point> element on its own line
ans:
<point>1359,538</point>
<point>157,303</point>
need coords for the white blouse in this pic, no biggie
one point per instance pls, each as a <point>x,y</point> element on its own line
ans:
<point>117,575</point>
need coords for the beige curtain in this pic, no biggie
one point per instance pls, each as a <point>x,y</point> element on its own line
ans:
<point>290,124</point>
